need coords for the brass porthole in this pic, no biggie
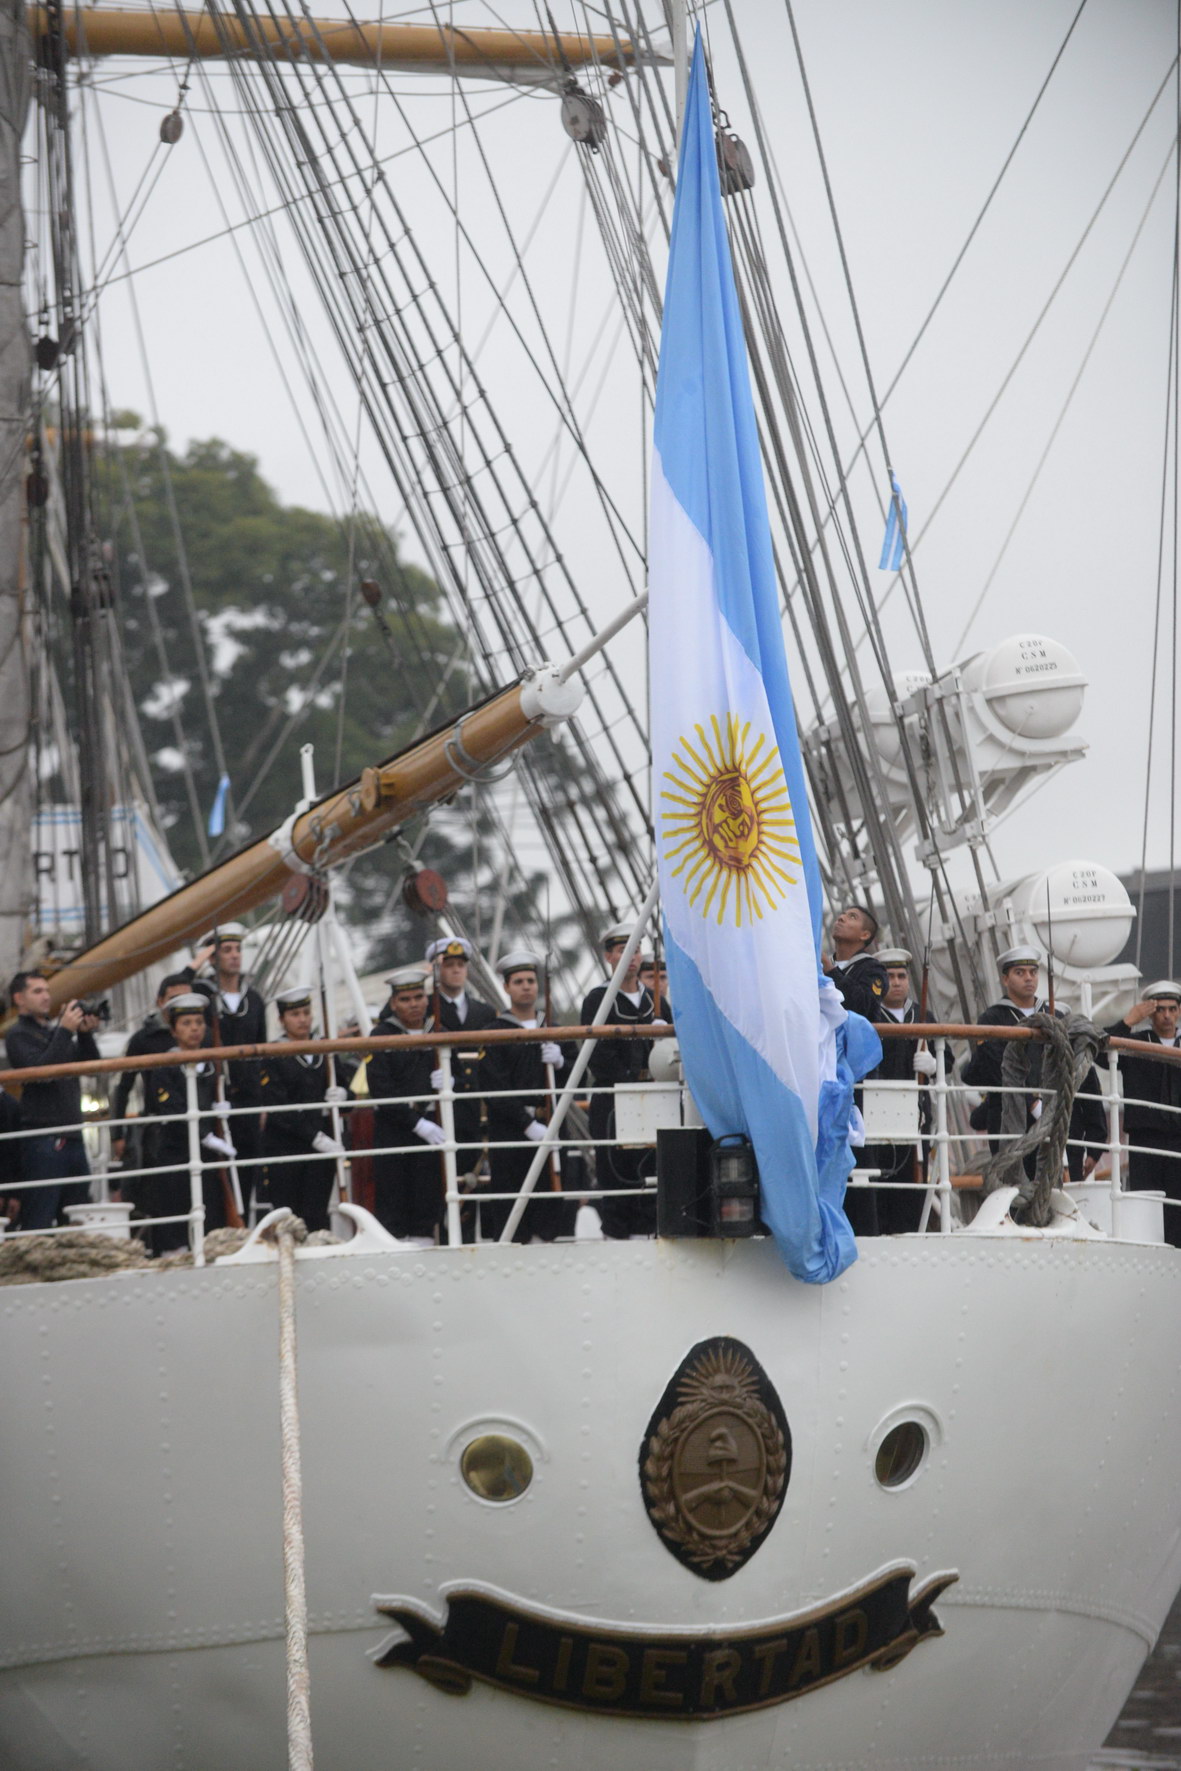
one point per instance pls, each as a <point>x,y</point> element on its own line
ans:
<point>901,1454</point>
<point>496,1467</point>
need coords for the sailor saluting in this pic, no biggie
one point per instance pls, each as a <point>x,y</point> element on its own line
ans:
<point>239,1017</point>
<point>1152,1099</point>
<point>293,1130</point>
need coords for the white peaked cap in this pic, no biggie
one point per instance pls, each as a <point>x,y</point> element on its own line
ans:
<point>893,956</point>
<point>295,996</point>
<point>225,931</point>
<point>191,1004</point>
<point>449,947</point>
<point>407,977</point>
<point>1164,987</point>
<point>1019,956</point>
<point>619,931</point>
<point>518,961</point>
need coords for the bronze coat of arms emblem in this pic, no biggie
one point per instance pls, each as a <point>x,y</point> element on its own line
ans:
<point>716,1458</point>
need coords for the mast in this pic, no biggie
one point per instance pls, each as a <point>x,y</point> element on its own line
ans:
<point>524,56</point>
<point>15,784</point>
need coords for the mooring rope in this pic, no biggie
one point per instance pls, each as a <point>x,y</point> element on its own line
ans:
<point>1070,1050</point>
<point>299,1722</point>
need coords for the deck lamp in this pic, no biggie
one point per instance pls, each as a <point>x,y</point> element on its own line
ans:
<point>734,1187</point>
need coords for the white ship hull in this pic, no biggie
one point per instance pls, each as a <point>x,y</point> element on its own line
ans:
<point>141,1618</point>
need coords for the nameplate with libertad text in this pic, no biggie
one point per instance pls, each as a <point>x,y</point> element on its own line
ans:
<point>664,1674</point>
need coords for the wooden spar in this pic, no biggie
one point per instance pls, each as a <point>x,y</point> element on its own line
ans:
<point>341,824</point>
<point>435,48</point>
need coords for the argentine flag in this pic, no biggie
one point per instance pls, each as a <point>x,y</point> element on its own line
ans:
<point>767,1046</point>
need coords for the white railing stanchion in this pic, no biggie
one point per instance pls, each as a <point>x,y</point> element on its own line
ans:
<point>450,1166</point>
<point>1114,1101</point>
<point>942,1140</point>
<point>196,1192</point>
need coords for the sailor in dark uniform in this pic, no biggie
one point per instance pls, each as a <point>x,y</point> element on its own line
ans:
<point>169,1193</point>
<point>1150,1091</point>
<point>408,1183</point>
<point>290,1089</point>
<point>238,1016</point>
<point>131,1142</point>
<point>859,977</point>
<point>1019,968</point>
<point>461,1012</point>
<point>614,1061</point>
<point>902,1061</point>
<point>522,1068</point>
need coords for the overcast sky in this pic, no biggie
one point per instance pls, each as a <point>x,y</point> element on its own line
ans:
<point>918,104</point>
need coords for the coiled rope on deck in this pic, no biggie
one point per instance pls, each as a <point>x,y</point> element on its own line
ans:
<point>1072,1043</point>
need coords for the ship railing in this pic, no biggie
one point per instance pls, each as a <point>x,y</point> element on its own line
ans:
<point>941,1147</point>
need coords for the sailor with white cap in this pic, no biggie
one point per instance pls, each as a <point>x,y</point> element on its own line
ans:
<point>614,1061</point>
<point>152,1035</point>
<point>1019,969</point>
<point>239,1017</point>
<point>1152,1099</point>
<point>520,1120</point>
<point>297,1139</point>
<point>408,1181</point>
<point>165,1094</point>
<point>898,1212</point>
<point>456,1010</point>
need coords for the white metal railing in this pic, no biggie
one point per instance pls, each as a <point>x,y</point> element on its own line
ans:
<point>940,1148</point>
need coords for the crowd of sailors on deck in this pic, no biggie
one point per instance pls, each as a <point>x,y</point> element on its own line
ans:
<point>277,1130</point>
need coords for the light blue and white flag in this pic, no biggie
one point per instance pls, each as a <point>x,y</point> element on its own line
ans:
<point>767,1046</point>
<point>217,812</point>
<point>894,540</point>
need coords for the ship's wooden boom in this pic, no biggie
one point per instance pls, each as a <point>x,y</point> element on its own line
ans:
<point>343,823</point>
<point>529,56</point>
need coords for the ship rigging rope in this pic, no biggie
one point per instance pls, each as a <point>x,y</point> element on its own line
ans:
<point>189,602</point>
<point>867,432</point>
<point>409,608</point>
<point>855,311</point>
<point>613,840</point>
<point>1043,312</point>
<point>1063,410</point>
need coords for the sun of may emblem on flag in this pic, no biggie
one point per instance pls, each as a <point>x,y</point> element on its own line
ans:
<point>728,823</point>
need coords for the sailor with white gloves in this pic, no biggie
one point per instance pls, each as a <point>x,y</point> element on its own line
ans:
<point>521,1068</point>
<point>615,1061</point>
<point>297,1137</point>
<point>902,1059</point>
<point>457,1009</point>
<point>165,1095</point>
<point>408,1179</point>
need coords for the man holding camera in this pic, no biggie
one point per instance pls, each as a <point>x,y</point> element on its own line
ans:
<point>49,1153</point>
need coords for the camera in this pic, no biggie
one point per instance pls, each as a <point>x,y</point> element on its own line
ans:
<point>101,1009</point>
